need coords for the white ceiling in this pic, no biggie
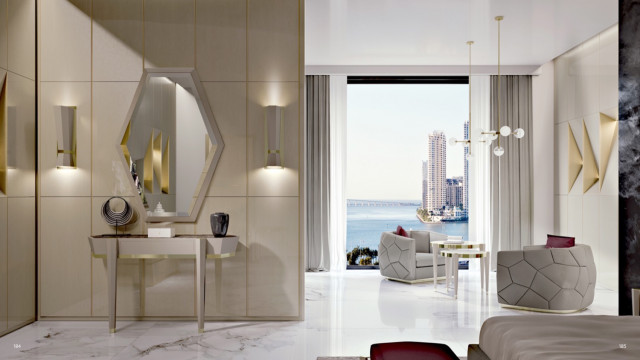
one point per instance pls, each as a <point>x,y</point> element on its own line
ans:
<point>435,32</point>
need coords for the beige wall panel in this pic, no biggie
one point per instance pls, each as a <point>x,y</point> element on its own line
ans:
<point>574,217</point>
<point>3,262</point>
<point>128,301</point>
<point>608,62</point>
<point>170,293</point>
<point>591,224</point>
<point>111,101</point>
<point>226,289</point>
<point>608,248</point>
<point>273,40</point>
<point>169,33</point>
<point>263,182</point>
<point>221,28</point>
<point>583,73</point>
<point>561,103</point>
<point>561,159</point>
<point>64,45</point>
<point>117,40</point>
<point>22,37</point>
<point>229,105</point>
<point>65,256</point>
<point>561,214</point>
<point>22,260</point>
<point>64,182</point>
<point>273,257</point>
<point>21,94</point>
<point>3,38</point>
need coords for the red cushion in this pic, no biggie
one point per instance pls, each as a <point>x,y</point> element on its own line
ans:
<point>557,241</point>
<point>407,350</point>
<point>400,231</point>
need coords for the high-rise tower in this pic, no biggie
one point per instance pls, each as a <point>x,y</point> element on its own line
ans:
<point>437,171</point>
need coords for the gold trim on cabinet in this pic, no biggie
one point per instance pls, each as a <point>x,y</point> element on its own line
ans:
<point>608,134</point>
<point>590,175</point>
<point>575,159</point>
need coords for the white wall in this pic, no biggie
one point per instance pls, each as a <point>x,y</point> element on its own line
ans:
<point>586,84</point>
<point>542,154</point>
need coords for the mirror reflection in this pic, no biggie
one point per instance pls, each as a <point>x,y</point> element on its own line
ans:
<point>168,145</point>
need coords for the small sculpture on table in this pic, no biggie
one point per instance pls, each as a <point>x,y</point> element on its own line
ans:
<point>117,218</point>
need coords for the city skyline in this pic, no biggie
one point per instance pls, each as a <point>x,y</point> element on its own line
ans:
<point>387,132</point>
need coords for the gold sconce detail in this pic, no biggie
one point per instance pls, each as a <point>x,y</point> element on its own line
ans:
<point>123,145</point>
<point>3,137</point>
<point>608,128</point>
<point>65,118</point>
<point>575,159</point>
<point>273,137</point>
<point>591,174</point>
<point>608,133</point>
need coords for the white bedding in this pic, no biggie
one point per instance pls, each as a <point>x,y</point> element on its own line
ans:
<point>561,337</point>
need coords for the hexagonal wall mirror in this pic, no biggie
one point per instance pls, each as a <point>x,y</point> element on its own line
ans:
<point>170,144</point>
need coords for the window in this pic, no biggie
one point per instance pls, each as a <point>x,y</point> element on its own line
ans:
<point>400,168</point>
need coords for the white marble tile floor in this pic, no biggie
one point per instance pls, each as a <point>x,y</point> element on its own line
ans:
<point>345,314</point>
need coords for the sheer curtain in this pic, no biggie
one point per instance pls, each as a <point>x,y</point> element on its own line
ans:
<point>479,164</point>
<point>511,173</point>
<point>338,170</point>
<point>317,173</point>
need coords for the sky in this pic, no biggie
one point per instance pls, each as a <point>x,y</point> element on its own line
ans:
<point>387,136</point>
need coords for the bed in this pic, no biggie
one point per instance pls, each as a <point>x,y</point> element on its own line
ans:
<point>551,337</point>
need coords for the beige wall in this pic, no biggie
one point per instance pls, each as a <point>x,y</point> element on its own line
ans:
<point>586,84</point>
<point>18,204</point>
<point>249,54</point>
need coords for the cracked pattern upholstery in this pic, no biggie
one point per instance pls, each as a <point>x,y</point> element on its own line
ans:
<point>549,279</point>
<point>398,260</point>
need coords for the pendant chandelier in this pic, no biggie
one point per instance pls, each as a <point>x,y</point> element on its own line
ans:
<point>505,131</point>
<point>467,141</point>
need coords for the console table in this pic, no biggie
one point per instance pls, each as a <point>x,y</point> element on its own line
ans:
<point>198,247</point>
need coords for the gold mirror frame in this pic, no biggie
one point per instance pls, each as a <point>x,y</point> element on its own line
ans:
<point>212,130</point>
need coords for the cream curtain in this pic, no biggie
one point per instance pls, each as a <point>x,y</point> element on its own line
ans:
<point>511,173</point>
<point>317,175</point>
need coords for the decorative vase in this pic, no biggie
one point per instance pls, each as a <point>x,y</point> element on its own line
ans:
<point>219,224</point>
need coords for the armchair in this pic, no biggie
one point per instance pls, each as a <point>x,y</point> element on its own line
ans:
<point>409,259</point>
<point>551,280</point>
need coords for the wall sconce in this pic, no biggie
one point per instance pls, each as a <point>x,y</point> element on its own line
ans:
<point>273,137</point>
<point>65,117</point>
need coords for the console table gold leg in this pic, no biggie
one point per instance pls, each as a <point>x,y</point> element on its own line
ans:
<point>112,263</point>
<point>201,270</point>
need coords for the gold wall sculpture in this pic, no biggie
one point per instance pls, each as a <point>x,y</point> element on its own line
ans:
<point>165,167</point>
<point>608,133</point>
<point>123,144</point>
<point>591,174</point>
<point>575,159</point>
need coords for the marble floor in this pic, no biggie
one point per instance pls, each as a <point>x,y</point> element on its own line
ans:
<point>345,314</point>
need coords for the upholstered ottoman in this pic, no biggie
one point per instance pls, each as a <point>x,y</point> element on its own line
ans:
<point>554,280</point>
<point>407,350</point>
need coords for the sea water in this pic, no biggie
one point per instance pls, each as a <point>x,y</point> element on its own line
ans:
<point>365,224</point>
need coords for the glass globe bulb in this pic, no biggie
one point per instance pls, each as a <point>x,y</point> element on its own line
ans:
<point>469,157</point>
<point>493,136</point>
<point>453,141</point>
<point>498,151</point>
<point>505,131</point>
<point>518,133</point>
